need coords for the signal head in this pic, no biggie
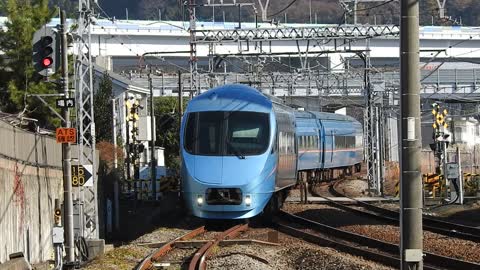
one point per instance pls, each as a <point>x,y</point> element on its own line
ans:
<point>47,40</point>
<point>46,52</point>
<point>47,62</point>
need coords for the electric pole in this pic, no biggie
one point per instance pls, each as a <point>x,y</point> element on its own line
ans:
<point>67,170</point>
<point>180,98</point>
<point>153,164</point>
<point>411,242</point>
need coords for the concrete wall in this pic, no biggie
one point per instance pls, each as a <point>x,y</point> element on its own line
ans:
<point>30,181</point>
<point>27,200</point>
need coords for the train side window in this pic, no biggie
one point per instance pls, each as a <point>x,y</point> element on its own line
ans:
<point>190,135</point>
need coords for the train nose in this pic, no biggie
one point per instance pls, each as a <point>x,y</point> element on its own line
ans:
<point>228,170</point>
<point>209,170</point>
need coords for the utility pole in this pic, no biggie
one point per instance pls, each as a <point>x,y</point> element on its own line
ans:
<point>67,170</point>
<point>411,236</point>
<point>153,162</point>
<point>180,98</point>
<point>116,189</point>
<point>310,9</point>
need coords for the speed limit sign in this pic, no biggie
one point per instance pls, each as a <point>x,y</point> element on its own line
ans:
<point>82,175</point>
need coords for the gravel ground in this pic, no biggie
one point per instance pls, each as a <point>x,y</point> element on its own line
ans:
<point>354,187</point>
<point>434,243</point>
<point>127,256</point>
<point>292,254</point>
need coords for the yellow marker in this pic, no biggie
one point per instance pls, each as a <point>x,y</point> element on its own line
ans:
<point>434,126</point>
<point>445,125</point>
<point>445,112</point>
<point>434,112</point>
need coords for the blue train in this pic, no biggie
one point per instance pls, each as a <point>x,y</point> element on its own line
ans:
<point>241,151</point>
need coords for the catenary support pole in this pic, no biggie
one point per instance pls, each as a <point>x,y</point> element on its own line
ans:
<point>153,162</point>
<point>67,170</point>
<point>116,186</point>
<point>411,243</point>
<point>180,98</point>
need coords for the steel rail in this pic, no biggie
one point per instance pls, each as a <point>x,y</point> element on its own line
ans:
<point>395,221</point>
<point>199,259</point>
<point>432,224</point>
<point>147,263</point>
<point>433,261</point>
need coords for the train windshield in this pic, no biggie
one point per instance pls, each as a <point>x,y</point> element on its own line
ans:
<point>227,133</point>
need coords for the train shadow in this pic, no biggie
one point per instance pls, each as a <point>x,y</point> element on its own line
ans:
<point>337,218</point>
<point>470,217</point>
<point>143,217</point>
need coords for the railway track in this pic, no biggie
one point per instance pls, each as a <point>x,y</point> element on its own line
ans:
<point>356,244</point>
<point>199,259</point>
<point>431,224</point>
<point>381,215</point>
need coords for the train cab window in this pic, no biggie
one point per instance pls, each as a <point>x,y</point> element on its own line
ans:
<point>248,133</point>
<point>219,133</point>
<point>209,132</point>
<point>189,137</point>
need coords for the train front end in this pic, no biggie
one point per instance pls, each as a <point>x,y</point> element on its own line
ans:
<point>228,166</point>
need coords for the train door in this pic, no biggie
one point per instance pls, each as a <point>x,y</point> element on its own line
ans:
<point>287,148</point>
<point>321,144</point>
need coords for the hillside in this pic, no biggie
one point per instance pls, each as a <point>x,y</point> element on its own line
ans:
<point>327,11</point>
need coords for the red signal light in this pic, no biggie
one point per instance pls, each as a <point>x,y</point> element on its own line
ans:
<point>47,62</point>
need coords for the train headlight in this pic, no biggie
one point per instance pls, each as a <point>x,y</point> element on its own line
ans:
<point>248,200</point>
<point>199,200</point>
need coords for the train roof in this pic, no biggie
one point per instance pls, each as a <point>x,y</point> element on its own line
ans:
<point>231,97</point>
<point>323,116</point>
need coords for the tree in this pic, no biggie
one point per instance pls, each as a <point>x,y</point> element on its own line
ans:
<point>17,77</point>
<point>103,109</point>
<point>168,129</point>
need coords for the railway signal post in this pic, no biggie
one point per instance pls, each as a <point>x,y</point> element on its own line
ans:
<point>67,171</point>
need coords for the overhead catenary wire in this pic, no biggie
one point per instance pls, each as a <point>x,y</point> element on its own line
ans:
<point>282,10</point>
<point>376,6</point>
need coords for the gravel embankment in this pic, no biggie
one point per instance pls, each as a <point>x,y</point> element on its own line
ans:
<point>433,242</point>
<point>291,254</point>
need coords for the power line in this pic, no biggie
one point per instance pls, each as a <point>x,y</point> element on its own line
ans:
<point>283,9</point>
<point>376,6</point>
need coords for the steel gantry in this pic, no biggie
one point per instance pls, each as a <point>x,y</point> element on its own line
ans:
<point>295,33</point>
<point>193,48</point>
<point>88,220</point>
<point>346,34</point>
